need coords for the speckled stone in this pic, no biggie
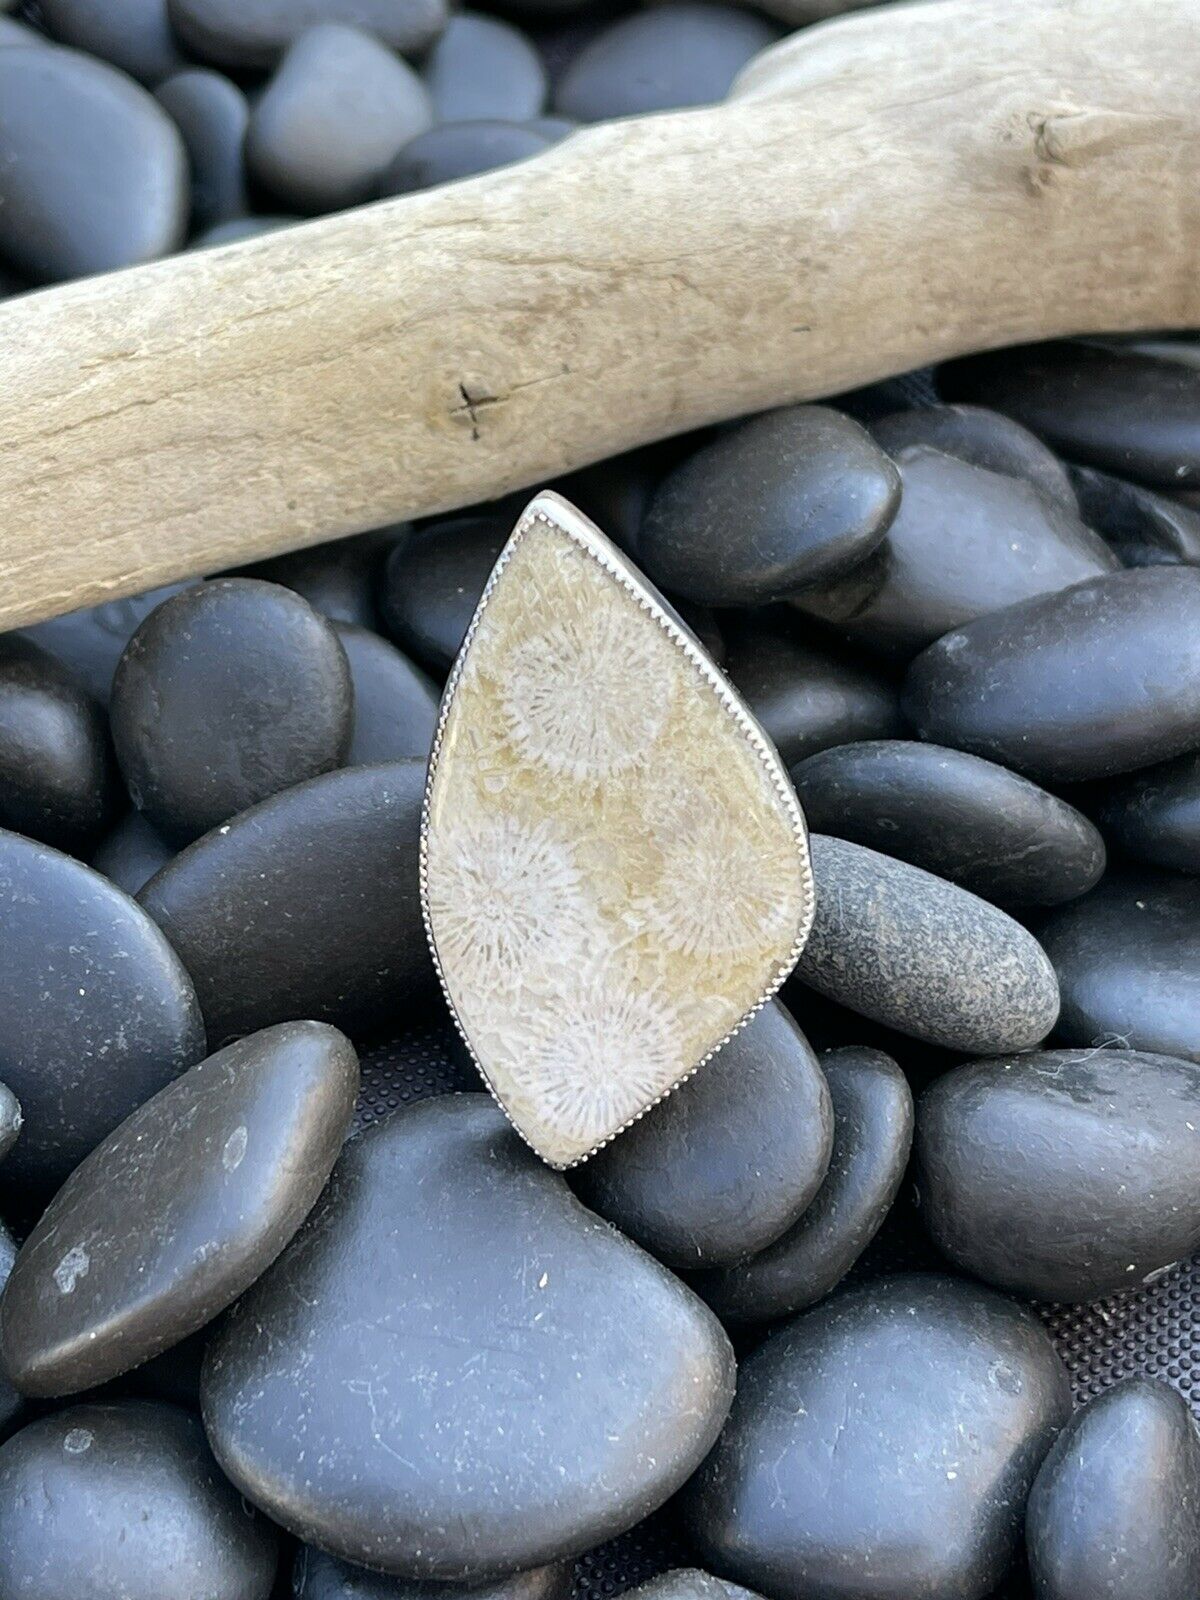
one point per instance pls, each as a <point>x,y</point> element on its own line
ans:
<point>1099,679</point>
<point>540,1385</point>
<point>1114,1513</point>
<point>255,33</point>
<point>720,1169</point>
<point>317,1576</point>
<point>1063,1175</point>
<point>224,1164</point>
<point>1127,957</point>
<point>924,956</point>
<point>872,1136</point>
<point>809,696</point>
<point>125,1499</point>
<point>1154,815</point>
<point>882,1445</point>
<point>615,871</point>
<point>965,819</point>
<point>982,437</point>
<point>96,1011</point>
<point>964,542</point>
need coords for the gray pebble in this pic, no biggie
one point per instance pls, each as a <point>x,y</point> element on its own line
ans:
<point>212,114</point>
<point>255,33</point>
<point>134,35</point>
<point>482,67</point>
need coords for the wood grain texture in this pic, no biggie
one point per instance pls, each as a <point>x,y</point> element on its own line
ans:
<point>881,191</point>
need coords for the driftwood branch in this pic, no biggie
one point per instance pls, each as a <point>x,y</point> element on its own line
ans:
<point>885,190</point>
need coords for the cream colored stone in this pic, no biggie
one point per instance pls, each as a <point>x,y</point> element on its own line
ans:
<point>614,868</point>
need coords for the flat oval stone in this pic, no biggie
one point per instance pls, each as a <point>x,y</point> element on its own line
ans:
<point>1113,1511</point>
<point>456,150</point>
<point>984,439</point>
<point>58,780</point>
<point>486,1376</point>
<point>134,35</point>
<point>719,1169</point>
<point>395,703</point>
<point>225,695</point>
<point>95,174</point>
<point>484,68</point>
<point>432,584</point>
<point>96,1010</point>
<point>964,542</point>
<point>789,498</point>
<point>255,33</point>
<point>212,114</point>
<point>1106,406</point>
<point>1063,1175</point>
<point>125,1499</point>
<point>1145,529</point>
<point>317,1576</point>
<point>958,816</point>
<point>808,697</point>
<point>336,111</point>
<point>227,1161</point>
<point>90,642</point>
<point>1127,957</point>
<point>1154,815</point>
<point>679,54</point>
<point>883,1444</point>
<point>872,1136</point>
<point>132,853</point>
<point>305,906</point>
<point>924,956</point>
<point>1101,678</point>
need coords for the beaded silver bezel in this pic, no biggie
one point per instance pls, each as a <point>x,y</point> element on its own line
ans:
<point>559,514</point>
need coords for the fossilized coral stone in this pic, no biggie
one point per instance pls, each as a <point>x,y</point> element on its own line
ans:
<point>614,867</point>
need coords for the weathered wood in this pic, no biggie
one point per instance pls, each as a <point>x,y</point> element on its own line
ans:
<point>884,190</point>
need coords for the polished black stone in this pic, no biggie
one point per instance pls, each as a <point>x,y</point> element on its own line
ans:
<point>809,696</point>
<point>1062,1175</point>
<point>982,437</point>
<point>455,1370</point>
<point>212,114</point>
<point>131,853</point>
<point>336,111</point>
<point>872,1135</point>
<point>1099,679</point>
<point>482,68</point>
<point>965,541</point>
<point>1154,815</point>
<point>305,906</point>
<point>1128,962</point>
<point>255,33</point>
<point>124,1499</point>
<point>1144,528</point>
<point>966,819</point>
<point>1113,1510</point>
<point>90,642</point>
<point>134,35</point>
<point>94,174</point>
<point>96,1011</point>
<point>882,1445</point>
<point>723,1166</point>
<point>456,150</point>
<point>223,1166</point>
<point>395,702</point>
<point>58,780</point>
<point>339,578</point>
<point>677,54</point>
<point>790,498</point>
<point>225,695</point>
<point>922,955</point>
<point>317,1576</point>
<point>433,581</point>
<point>1106,406</point>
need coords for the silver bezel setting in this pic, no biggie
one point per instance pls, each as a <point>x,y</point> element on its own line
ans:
<point>557,513</point>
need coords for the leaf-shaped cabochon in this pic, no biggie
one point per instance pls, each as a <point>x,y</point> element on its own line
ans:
<point>614,867</point>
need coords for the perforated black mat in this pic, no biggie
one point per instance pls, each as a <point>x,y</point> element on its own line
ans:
<point>1153,1331</point>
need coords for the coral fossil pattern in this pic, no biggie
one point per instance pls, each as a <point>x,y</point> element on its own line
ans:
<point>614,868</point>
